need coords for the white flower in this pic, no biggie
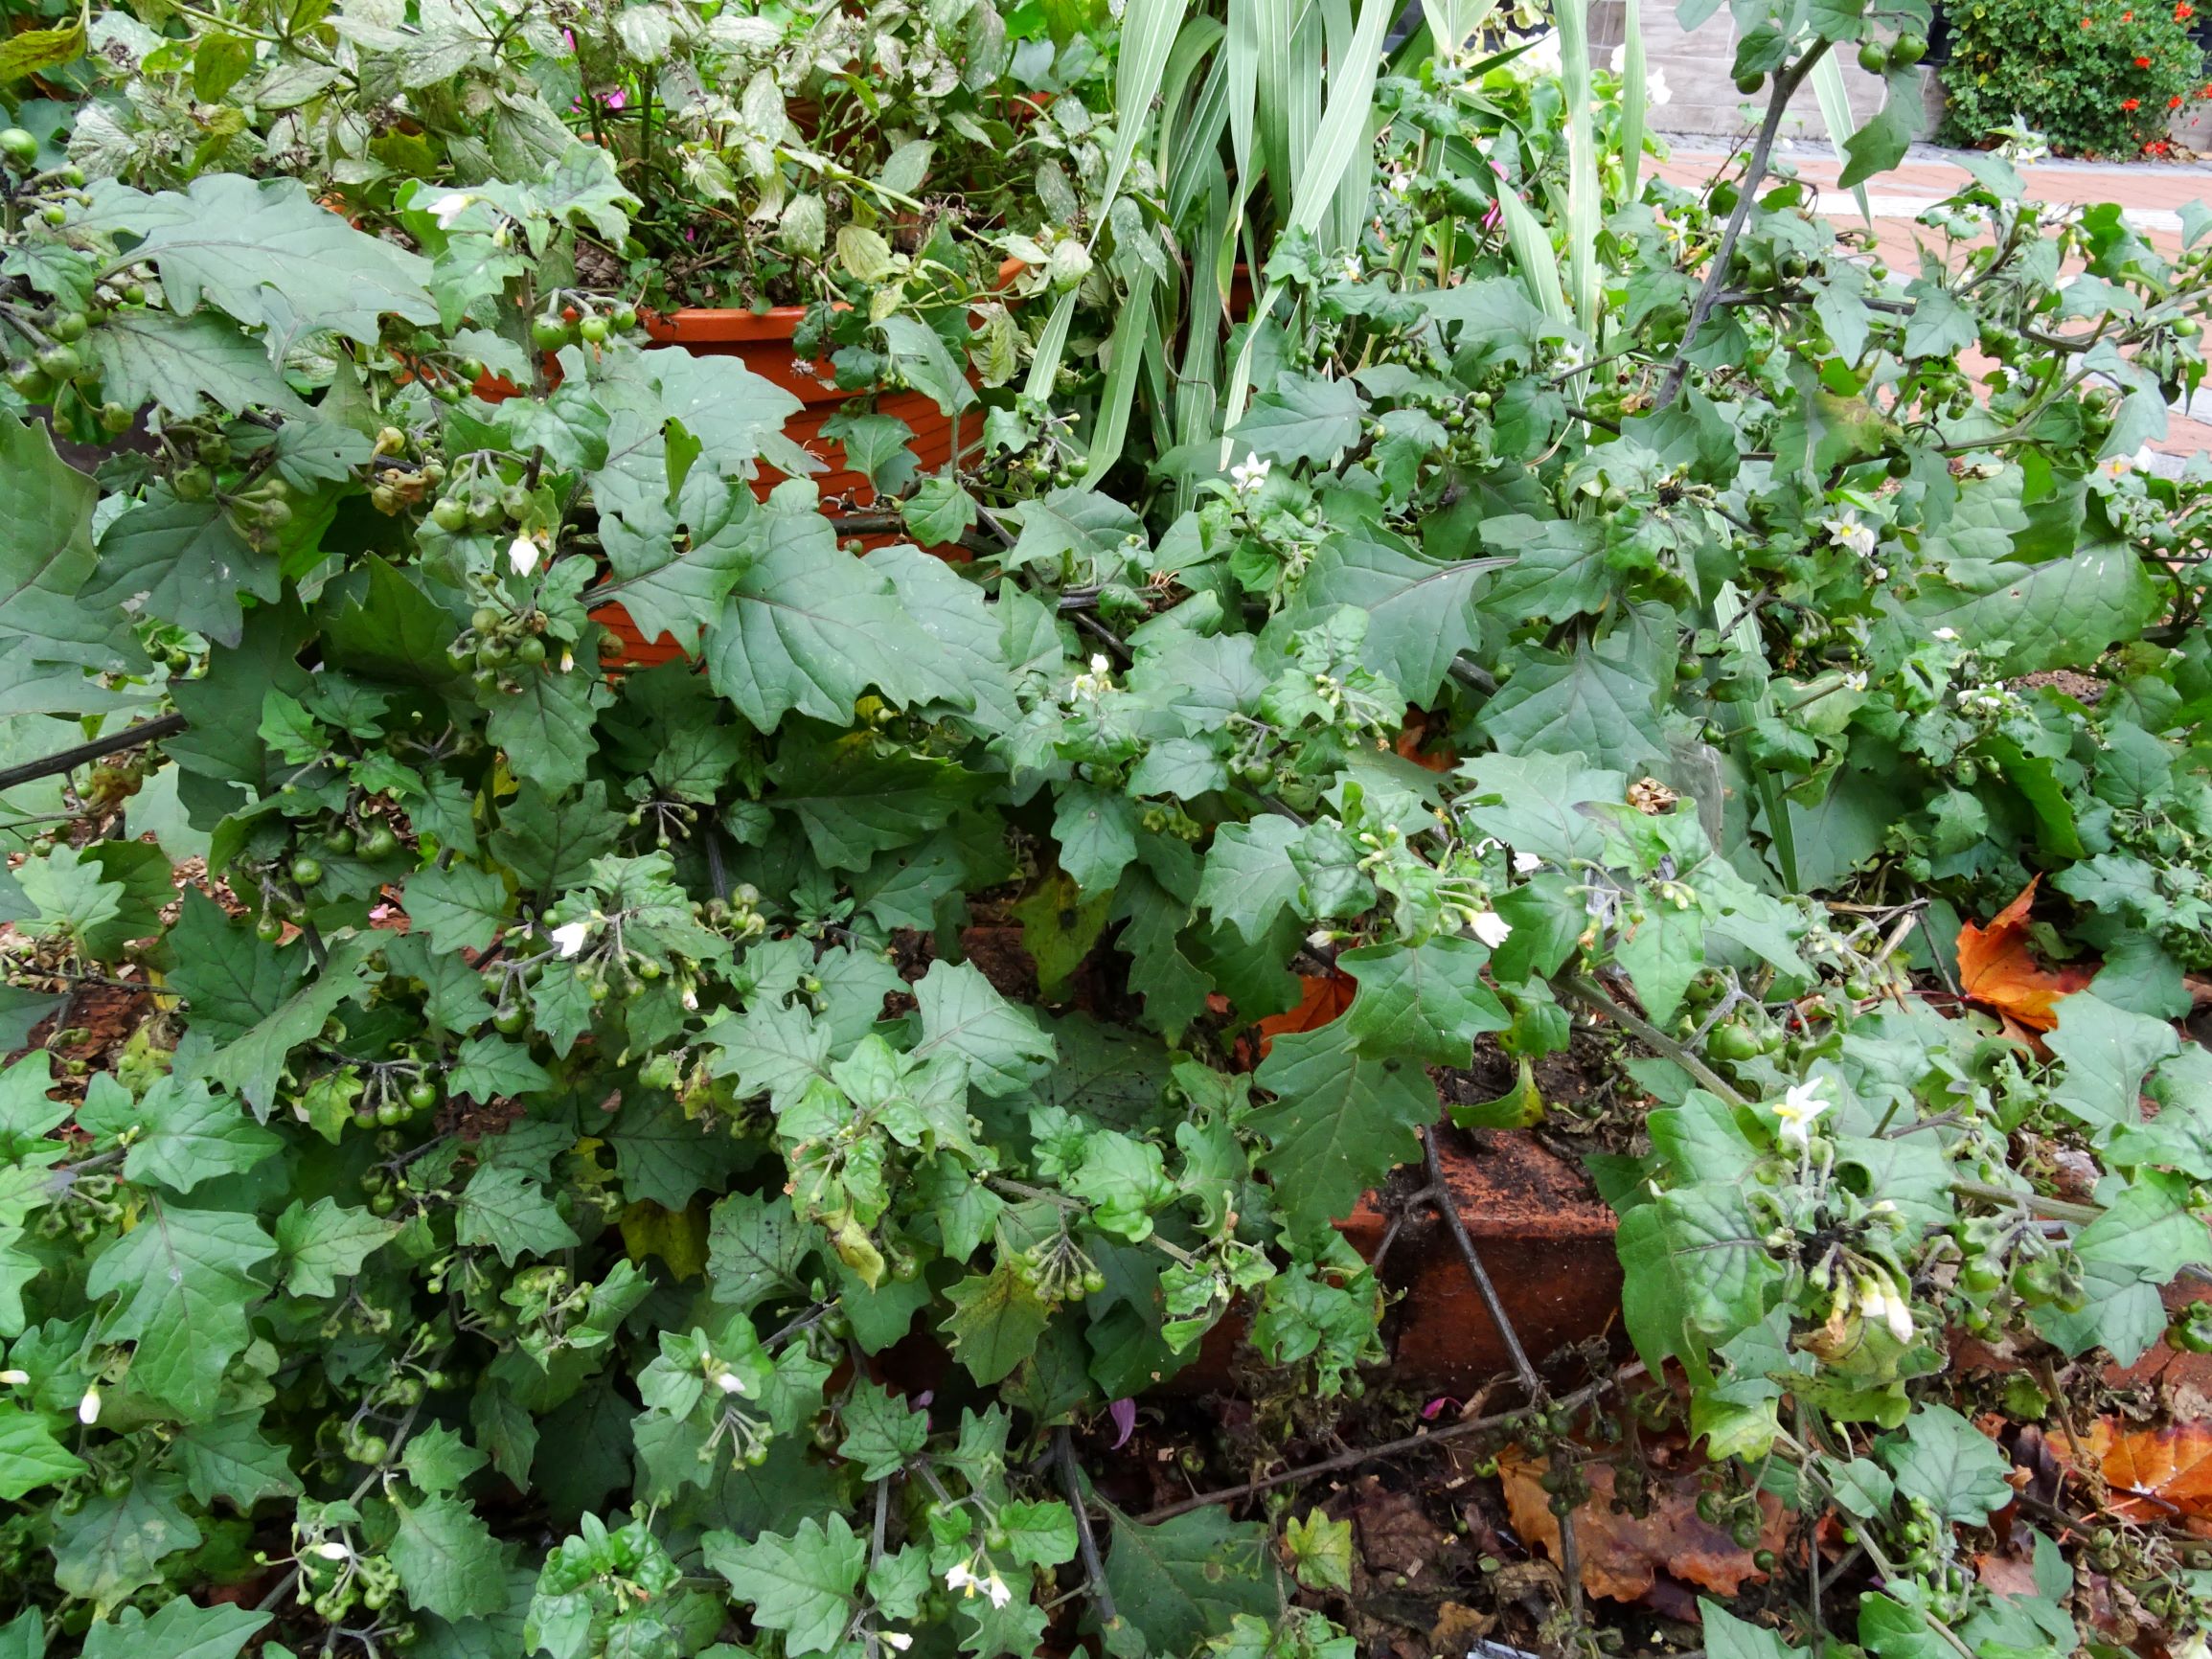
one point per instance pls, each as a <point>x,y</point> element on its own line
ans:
<point>996,1588</point>
<point>730,1382</point>
<point>1352,271</point>
<point>1657,91</point>
<point>958,1577</point>
<point>2139,461</point>
<point>1798,1109</point>
<point>522,554</point>
<point>1856,680</point>
<point>567,661</point>
<point>1523,863</point>
<point>1249,473</point>
<point>1100,664</point>
<point>88,1408</point>
<point>1541,60</point>
<point>330,1550</point>
<point>569,938</point>
<point>449,206</point>
<point>1492,928</point>
<point>1849,534</point>
<point>1879,1299</point>
<point>1947,635</point>
<point>897,1641</point>
<point>13,1379</point>
<point>1400,181</point>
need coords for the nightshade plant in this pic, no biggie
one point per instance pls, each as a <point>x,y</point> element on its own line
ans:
<point>568,1086</point>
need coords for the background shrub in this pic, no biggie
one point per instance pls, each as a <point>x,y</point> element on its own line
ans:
<point>2094,77</point>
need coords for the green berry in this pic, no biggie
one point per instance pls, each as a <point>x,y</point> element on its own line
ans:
<point>307,871</point>
<point>18,147</point>
<point>450,514</point>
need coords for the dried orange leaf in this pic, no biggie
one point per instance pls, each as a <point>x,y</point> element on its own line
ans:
<point>2155,1474</point>
<point>1327,995</point>
<point>1622,1556</point>
<point>1997,969</point>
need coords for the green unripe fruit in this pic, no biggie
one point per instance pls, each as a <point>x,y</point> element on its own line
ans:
<point>275,515</point>
<point>422,1095</point>
<point>307,871</point>
<point>115,418</point>
<point>29,381</point>
<point>485,620</point>
<point>69,328</point>
<point>595,331</point>
<point>1907,49</point>
<point>626,318</point>
<point>381,842</point>
<point>62,362</point>
<point>390,1114</point>
<point>193,484</point>
<point>548,334</point>
<point>1873,56</point>
<point>18,147</point>
<point>270,928</point>
<point>1749,83</point>
<point>339,840</point>
<point>450,514</point>
<point>507,1021</point>
<point>484,512</point>
<point>2187,329</point>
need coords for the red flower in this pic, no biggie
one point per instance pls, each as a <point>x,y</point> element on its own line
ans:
<point>2142,63</point>
<point>2184,11</point>
<point>2174,101</point>
<point>2131,103</point>
<point>2127,17</point>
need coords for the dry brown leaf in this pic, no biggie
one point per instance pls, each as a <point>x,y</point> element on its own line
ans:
<point>2155,1474</point>
<point>1396,1536</point>
<point>1621,1556</point>
<point>1327,995</point>
<point>1997,969</point>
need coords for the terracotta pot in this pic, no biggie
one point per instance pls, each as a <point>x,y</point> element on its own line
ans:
<point>1545,1240</point>
<point>763,340</point>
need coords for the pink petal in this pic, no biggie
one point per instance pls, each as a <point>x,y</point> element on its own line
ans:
<point>1124,1412</point>
<point>1435,1407</point>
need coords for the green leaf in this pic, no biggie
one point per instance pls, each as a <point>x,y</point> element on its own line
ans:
<point>1697,1273</point>
<point>34,50</point>
<point>506,1209</point>
<point>30,1455</point>
<point>1081,526</point>
<point>252,1064</point>
<point>881,1430</point>
<point>437,1460</point>
<point>1425,1002</point>
<point>995,1322</point>
<point>113,1546</point>
<point>664,1158</point>
<point>854,802</point>
<point>1097,832</point>
<point>1949,1465</point>
<point>1305,417</point>
<point>2060,614</point>
<point>1342,1119</point>
<point>549,843</point>
<point>1184,1580</point>
<point>182,1279</point>
<point>489,1068</point>
<point>183,363</point>
<point>1040,1534</point>
<point>318,1246</point>
<point>801,1584</point>
<point>962,1013</point>
<point>1585,704</point>
<point>1248,879</point>
<point>184,562</point>
<point>270,254</point>
<point>1881,142</point>
<point>809,628</point>
<point>459,906</point>
<point>227,1457</point>
<point>1728,1637</point>
<point>449,1562</point>
<point>191,1135</point>
<point>179,1630</point>
<point>47,506</point>
<point>545,726</point>
<point>2106,1051</point>
<point>756,1247</point>
<point>938,511</point>
<point>1421,614</point>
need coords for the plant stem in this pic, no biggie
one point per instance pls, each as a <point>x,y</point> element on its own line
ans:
<point>69,759</point>
<point>1586,990</point>
<point>1064,1454</point>
<point>1353,1459</point>
<point>1786,83</point>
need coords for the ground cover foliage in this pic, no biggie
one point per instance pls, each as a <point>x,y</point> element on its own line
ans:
<point>1530,598</point>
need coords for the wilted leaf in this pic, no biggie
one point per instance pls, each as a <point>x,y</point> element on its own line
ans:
<point>1327,995</point>
<point>1622,1556</point>
<point>1997,969</point>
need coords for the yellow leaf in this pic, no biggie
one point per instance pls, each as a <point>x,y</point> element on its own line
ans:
<point>677,1236</point>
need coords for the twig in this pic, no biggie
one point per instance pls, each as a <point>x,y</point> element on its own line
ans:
<point>1353,1459</point>
<point>1105,636</point>
<point>1064,1454</point>
<point>1586,991</point>
<point>69,759</point>
<point>1440,1195</point>
<point>1786,83</point>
